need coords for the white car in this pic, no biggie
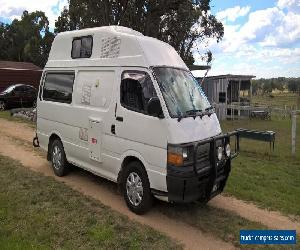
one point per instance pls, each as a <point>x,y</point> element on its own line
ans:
<point>126,107</point>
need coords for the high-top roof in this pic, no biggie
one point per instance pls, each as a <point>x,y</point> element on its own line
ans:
<point>122,46</point>
<point>18,65</point>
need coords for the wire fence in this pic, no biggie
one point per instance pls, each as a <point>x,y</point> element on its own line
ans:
<point>235,112</point>
<point>294,115</point>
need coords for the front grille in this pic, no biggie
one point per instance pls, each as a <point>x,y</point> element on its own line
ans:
<point>203,159</point>
<point>203,163</point>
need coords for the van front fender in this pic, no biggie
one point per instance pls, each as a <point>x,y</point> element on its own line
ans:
<point>133,154</point>
<point>157,179</point>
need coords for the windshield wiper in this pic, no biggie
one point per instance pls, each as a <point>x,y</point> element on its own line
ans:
<point>179,118</point>
<point>193,111</point>
<point>209,108</point>
<point>196,112</point>
<point>209,111</point>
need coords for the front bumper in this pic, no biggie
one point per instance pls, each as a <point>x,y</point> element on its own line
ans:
<point>204,177</point>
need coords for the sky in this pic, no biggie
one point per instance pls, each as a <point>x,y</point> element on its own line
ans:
<point>261,37</point>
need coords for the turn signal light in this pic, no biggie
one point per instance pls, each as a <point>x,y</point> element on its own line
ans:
<point>175,159</point>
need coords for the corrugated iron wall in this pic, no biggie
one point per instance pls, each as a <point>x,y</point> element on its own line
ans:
<point>212,88</point>
<point>11,76</point>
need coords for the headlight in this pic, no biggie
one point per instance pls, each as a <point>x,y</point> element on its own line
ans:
<point>185,153</point>
<point>227,150</point>
<point>220,153</point>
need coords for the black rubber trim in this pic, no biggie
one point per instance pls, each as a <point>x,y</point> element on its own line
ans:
<point>196,180</point>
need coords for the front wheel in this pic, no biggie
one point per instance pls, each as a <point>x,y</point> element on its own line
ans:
<point>136,188</point>
<point>58,158</point>
<point>2,105</point>
<point>34,104</point>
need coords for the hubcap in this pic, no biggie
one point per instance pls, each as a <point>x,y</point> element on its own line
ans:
<point>134,188</point>
<point>56,157</point>
<point>2,105</point>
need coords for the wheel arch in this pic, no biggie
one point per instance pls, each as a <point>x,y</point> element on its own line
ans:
<point>128,157</point>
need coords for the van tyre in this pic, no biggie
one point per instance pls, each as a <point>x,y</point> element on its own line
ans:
<point>136,188</point>
<point>58,158</point>
<point>2,105</point>
<point>34,104</point>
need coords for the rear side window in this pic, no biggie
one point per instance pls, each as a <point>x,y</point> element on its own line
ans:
<point>82,47</point>
<point>58,87</point>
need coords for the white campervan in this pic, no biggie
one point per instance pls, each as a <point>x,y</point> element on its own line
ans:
<point>126,107</point>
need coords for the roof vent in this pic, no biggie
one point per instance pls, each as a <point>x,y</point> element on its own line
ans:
<point>110,47</point>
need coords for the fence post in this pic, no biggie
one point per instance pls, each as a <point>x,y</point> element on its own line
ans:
<point>294,117</point>
<point>284,111</point>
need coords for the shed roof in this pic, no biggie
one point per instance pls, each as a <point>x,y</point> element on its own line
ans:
<point>18,65</point>
<point>230,76</point>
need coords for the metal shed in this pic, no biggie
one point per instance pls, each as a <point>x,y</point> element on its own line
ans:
<point>225,90</point>
<point>19,72</point>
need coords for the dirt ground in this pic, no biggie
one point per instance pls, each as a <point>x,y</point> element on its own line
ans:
<point>192,238</point>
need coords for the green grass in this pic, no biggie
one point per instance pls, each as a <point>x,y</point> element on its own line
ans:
<point>218,222</point>
<point>270,180</point>
<point>37,212</point>
<point>277,100</point>
<point>6,115</point>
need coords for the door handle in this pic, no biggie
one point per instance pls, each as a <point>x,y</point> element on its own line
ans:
<point>113,129</point>
<point>119,118</point>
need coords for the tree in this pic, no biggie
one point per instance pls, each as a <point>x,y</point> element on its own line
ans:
<point>28,39</point>
<point>267,86</point>
<point>3,41</point>
<point>256,86</point>
<point>181,23</point>
<point>294,85</point>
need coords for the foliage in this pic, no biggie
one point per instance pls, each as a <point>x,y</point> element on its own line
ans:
<point>294,85</point>
<point>28,39</point>
<point>179,23</point>
<point>266,86</point>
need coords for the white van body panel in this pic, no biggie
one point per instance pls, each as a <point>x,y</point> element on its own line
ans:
<point>190,129</point>
<point>85,125</point>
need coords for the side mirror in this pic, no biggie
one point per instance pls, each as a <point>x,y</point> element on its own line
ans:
<point>154,107</point>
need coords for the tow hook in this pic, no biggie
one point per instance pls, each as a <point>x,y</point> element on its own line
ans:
<point>35,141</point>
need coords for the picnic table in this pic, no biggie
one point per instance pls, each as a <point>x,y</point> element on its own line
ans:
<point>262,114</point>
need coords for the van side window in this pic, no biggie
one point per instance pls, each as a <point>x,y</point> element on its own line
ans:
<point>82,47</point>
<point>58,87</point>
<point>136,90</point>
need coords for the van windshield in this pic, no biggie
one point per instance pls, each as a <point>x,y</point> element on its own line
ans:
<point>181,91</point>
